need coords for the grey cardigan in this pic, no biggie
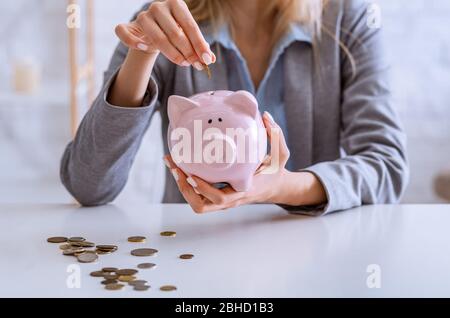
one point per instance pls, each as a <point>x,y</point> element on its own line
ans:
<point>342,123</point>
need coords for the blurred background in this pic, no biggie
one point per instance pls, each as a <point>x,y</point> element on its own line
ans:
<point>35,118</point>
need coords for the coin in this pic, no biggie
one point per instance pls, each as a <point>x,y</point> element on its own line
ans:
<point>109,269</point>
<point>87,257</point>
<point>144,252</point>
<point>110,276</point>
<point>126,278</point>
<point>168,233</point>
<point>137,282</point>
<point>186,256</point>
<point>106,247</point>
<point>109,281</point>
<point>126,272</point>
<point>65,246</point>
<point>77,239</point>
<point>57,239</point>
<point>146,265</point>
<point>141,287</point>
<point>168,288</point>
<point>137,239</point>
<point>82,244</point>
<point>97,274</point>
<point>114,286</point>
<point>208,71</point>
<point>100,252</point>
<point>73,251</point>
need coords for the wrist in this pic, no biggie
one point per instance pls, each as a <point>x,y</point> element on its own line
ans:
<point>299,189</point>
<point>135,56</point>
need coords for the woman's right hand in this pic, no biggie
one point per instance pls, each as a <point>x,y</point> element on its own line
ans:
<point>168,27</point>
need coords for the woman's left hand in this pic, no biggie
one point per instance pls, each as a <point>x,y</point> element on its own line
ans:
<point>272,183</point>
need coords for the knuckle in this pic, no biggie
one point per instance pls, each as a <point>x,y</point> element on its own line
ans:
<point>155,8</point>
<point>158,39</point>
<point>118,29</point>
<point>191,25</point>
<point>178,59</point>
<point>175,34</point>
<point>198,209</point>
<point>141,17</point>
<point>221,200</point>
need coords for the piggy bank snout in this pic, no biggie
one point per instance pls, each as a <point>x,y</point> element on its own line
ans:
<point>220,151</point>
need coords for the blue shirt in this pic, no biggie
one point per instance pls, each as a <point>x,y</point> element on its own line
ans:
<point>271,89</point>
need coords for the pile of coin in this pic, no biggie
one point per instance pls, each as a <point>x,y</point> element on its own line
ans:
<point>79,247</point>
<point>114,278</point>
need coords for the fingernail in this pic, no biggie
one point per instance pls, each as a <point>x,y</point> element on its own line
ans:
<point>175,174</point>
<point>142,47</point>
<point>198,66</point>
<point>185,64</point>
<point>207,59</point>
<point>269,116</point>
<point>166,162</point>
<point>192,182</point>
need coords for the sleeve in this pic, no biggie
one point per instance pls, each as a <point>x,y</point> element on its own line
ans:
<point>374,169</point>
<point>95,165</point>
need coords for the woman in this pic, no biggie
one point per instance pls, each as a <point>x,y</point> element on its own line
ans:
<point>315,65</point>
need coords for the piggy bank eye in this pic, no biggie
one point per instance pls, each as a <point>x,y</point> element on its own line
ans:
<point>220,119</point>
<point>210,121</point>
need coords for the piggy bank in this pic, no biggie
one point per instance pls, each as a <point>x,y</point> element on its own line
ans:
<point>218,136</point>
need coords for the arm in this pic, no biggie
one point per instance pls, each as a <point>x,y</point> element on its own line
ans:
<point>95,166</point>
<point>375,168</point>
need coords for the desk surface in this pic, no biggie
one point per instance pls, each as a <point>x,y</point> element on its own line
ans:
<point>253,251</point>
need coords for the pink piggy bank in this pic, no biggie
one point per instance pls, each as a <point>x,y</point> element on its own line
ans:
<point>218,136</point>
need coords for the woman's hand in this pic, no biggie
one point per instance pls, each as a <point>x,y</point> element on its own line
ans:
<point>272,183</point>
<point>168,27</point>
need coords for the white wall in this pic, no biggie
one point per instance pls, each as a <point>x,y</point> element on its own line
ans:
<point>33,132</point>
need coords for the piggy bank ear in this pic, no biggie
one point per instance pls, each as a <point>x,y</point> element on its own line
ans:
<point>244,102</point>
<point>177,105</point>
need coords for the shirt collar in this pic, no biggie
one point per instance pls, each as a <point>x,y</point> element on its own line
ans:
<point>295,33</point>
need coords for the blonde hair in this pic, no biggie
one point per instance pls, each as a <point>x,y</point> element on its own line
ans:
<point>306,12</point>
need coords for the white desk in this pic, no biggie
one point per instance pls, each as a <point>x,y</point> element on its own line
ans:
<point>254,251</point>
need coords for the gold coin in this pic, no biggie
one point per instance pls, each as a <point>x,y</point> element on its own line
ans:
<point>73,251</point>
<point>97,274</point>
<point>110,276</point>
<point>109,269</point>
<point>100,252</point>
<point>57,239</point>
<point>126,278</point>
<point>168,233</point>
<point>126,272</point>
<point>144,252</point>
<point>137,282</point>
<point>109,281</point>
<point>208,71</point>
<point>65,246</point>
<point>87,257</point>
<point>82,244</point>
<point>106,247</point>
<point>114,286</point>
<point>168,288</point>
<point>146,265</point>
<point>77,239</point>
<point>186,256</point>
<point>141,287</point>
<point>137,239</point>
